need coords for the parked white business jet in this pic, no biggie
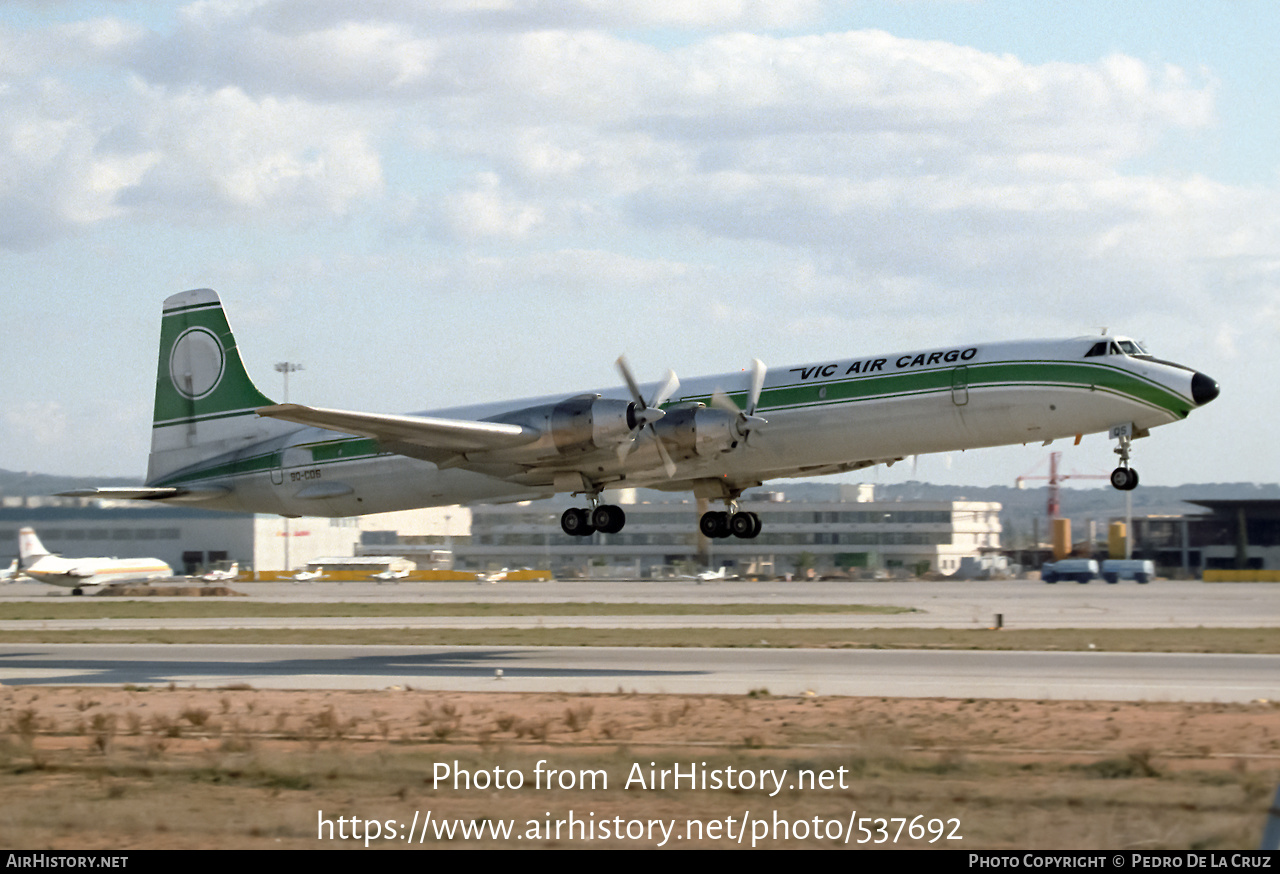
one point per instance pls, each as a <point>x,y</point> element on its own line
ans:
<point>76,573</point>
<point>10,574</point>
<point>390,576</point>
<point>309,576</point>
<point>219,442</point>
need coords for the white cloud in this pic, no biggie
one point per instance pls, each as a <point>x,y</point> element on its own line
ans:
<point>485,211</point>
<point>899,164</point>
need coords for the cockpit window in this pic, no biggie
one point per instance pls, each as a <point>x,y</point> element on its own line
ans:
<point>1117,347</point>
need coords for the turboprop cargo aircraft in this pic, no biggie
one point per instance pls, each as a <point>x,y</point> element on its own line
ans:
<point>218,442</point>
<point>76,573</point>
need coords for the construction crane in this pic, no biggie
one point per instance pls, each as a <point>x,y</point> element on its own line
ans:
<point>1055,480</point>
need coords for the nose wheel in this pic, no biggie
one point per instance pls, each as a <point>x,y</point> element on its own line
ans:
<point>1124,477</point>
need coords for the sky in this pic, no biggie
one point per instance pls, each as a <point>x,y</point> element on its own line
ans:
<point>430,204</point>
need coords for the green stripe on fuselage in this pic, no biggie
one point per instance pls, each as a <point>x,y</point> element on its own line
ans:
<point>989,375</point>
<point>327,452</point>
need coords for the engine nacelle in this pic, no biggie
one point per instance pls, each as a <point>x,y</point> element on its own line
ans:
<point>698,430</point>
<point>576,426</point>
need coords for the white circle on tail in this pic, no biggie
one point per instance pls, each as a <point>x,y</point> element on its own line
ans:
<point>196,363</point>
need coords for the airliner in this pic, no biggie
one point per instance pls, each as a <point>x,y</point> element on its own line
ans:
<point>219,442</point>
<point>76,573</point>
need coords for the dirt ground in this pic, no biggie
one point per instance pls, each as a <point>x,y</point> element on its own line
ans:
<point>165,767</point>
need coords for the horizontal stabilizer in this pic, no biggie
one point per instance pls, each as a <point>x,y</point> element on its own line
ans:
<point>449,435</point>
<point>143,493</point>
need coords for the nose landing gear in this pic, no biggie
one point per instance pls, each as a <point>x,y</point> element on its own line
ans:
<point>1123,477</point>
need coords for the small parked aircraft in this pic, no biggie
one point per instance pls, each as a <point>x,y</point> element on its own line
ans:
<point>219,576</point>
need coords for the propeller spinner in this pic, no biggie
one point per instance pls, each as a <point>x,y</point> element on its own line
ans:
<point>645,413</point>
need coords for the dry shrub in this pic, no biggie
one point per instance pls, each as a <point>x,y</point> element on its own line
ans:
<point>197,716</point>
<point>578,718</point>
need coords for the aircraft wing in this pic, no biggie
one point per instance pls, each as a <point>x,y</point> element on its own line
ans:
<point>439,437</point>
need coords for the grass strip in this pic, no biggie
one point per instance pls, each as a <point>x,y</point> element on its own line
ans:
<point>1173,640</point>
<point>113,609</point>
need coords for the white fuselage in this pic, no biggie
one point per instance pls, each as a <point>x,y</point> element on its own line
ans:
<point>822,418</point>
<point>76,572</point>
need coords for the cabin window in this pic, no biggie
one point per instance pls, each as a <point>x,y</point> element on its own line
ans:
<point>1096,349</point>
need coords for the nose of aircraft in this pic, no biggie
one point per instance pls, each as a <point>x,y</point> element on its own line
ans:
<point>1203,389</point>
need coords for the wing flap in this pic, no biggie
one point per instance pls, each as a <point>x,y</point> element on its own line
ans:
<point>443,435</point>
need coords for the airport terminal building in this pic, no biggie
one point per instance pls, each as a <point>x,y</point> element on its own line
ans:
<point>855,535</point>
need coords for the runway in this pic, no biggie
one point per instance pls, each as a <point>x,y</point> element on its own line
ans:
<point>880,673</point>
<point>1022,604</point>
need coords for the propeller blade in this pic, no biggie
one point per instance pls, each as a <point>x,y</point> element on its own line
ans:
<point>667,464</point>
<point>758,371</point>
<point>630,380</point>
<point>667,390</point>
<point>646,413</point>
<point>721,401</point>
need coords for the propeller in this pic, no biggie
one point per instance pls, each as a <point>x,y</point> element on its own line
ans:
<point>646,413</point>
<point>747,419</point>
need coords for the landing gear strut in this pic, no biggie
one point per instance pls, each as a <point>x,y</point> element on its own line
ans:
<point>1124,477</point>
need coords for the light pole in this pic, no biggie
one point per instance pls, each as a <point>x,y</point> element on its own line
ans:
<point>284,368</point>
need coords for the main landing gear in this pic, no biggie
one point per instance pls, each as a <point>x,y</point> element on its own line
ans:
<point>609,519</point>
<point>721,524</point>
<point>1124,477</point>
<point>583,522</point>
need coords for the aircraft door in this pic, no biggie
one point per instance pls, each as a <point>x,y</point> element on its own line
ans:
<point>960,386</point>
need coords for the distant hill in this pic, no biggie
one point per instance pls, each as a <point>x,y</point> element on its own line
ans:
<point>13,483</point>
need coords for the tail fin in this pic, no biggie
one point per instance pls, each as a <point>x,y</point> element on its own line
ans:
<point>205,400</point>
<point>30,547</point>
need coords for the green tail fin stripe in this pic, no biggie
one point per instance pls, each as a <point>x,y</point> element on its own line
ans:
<point>200,375</point>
